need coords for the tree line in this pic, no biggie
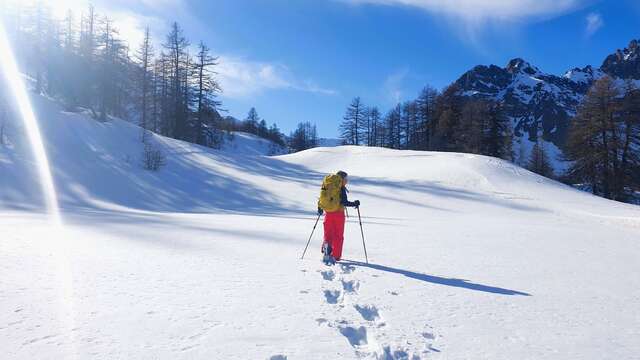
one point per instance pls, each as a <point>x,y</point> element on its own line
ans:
<point>255,125</point>
<point>305,135</point>
<point>603,146</point>
<point>433,121</point>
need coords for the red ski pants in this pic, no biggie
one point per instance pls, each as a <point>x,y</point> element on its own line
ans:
<point>334,232</point>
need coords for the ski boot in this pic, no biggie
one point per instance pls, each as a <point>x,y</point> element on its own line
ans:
<point>327,258</point>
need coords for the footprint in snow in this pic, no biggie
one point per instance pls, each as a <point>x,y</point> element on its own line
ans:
<point>328,275</point>
<point>278,357</point>
<point>350,286</point>
<point>389,354</point>
<point>332,296</point>
<point>368,312</point>
<point>430,338</point>
<point>347,269</point>
<point>356,336</point>
<point>428,335</point>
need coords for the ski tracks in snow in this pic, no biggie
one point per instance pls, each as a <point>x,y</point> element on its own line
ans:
<point>361,323</point>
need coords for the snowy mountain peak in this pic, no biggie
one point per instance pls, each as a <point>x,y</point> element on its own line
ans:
<point>624,63</point>
<point>586,75</point>
<point>530,97</point>
<point>484,80</point>
<point>519,65</point>
<point>634,47</point>
<point>533,98</point>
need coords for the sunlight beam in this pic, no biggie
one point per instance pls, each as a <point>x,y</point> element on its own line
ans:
<point>19,91</point>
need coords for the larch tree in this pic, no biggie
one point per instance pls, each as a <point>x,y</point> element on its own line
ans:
<point>176,46</point>
<point>352,122</point>
<point>597,140</point>
<point>144,57</point>
<point>206,89</point>
<point>539,162</point>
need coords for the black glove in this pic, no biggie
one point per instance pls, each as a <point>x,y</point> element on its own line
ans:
<point>357,203</point>
<point>320,211</point>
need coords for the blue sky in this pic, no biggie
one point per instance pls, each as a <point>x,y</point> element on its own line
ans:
<point>304,60</point>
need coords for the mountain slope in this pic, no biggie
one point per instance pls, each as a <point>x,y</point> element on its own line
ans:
<point>530,96</point>
<point>470,256</point>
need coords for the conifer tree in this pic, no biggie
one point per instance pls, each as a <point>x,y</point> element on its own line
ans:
<point>352,123</point>
<point>539,160</point>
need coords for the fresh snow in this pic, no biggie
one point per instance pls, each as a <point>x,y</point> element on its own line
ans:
<point>578,76</point>
<point>471,257</point>
<point>584,75</point>
<point>249,144</point>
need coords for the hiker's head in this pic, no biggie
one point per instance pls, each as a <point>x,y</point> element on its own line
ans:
<point>343,175</point>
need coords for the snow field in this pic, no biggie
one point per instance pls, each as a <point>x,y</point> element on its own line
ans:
<point>470,256</point>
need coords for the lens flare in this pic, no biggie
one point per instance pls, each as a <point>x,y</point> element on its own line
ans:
<point>19,91</point>
<point>60,246</point>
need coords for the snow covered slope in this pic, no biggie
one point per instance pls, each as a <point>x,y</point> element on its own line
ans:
<point>249,144</point>
<point>470,257</point>
<point>100,164</point>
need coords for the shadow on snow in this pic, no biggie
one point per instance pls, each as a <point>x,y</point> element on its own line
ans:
<point>460,283</point>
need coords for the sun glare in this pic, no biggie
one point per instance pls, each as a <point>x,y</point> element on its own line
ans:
<point>18,89</point>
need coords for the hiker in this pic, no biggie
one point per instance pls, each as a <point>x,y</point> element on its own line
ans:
<point>333,200</point>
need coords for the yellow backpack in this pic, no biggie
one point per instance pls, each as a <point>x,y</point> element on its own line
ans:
<point>330,193</point>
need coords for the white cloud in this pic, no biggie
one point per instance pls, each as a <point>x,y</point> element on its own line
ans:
<point>594,23</point>
<point>131,26</point>
<point>239,78</point>
<point>393,85</point>
<point>480,11</point>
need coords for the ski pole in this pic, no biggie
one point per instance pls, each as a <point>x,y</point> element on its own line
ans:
<point>362,232</point>
<point>310,236</point>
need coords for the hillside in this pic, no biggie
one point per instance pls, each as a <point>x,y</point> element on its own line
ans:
<point>249,144</point>
<point>470,256</point>
<point>100,163</point>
